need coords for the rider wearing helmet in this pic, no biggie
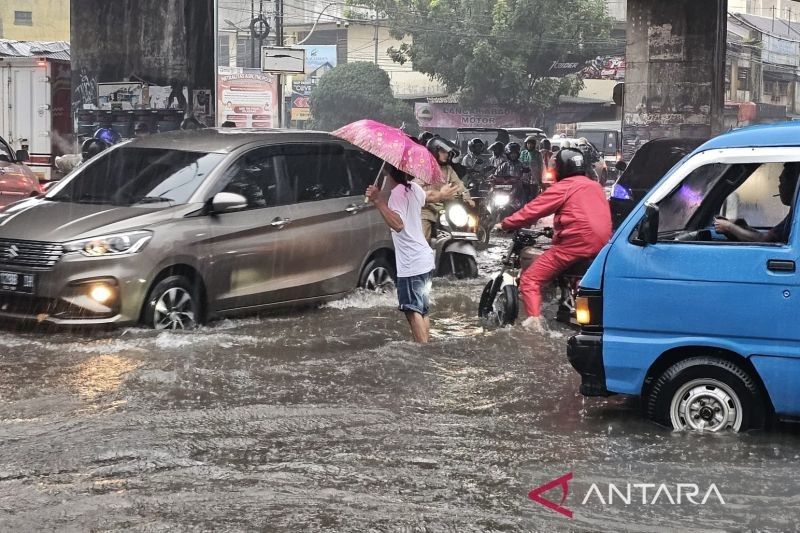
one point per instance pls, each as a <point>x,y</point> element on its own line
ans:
<point>531,158</point>
<point>512,167</point>
<point>473,157</point>
<point>424,137</point>
<point>591,155</point>
<point>444,153</point>
<point>107,135</point>
<point>582,227</point>
<point>92,147</point>
<point>498,154</point>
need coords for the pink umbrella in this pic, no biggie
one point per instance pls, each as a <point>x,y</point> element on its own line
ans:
<point>394,147</point>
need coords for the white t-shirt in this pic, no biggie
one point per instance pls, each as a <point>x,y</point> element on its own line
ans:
<point>414,254</point>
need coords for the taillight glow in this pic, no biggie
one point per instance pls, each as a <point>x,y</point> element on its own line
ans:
<point>582,314</point>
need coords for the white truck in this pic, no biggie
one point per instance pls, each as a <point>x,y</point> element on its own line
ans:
<point>35,106</point>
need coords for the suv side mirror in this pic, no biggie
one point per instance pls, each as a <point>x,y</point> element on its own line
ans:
<point>23,156</point>
<point>223,202</point>
<point>621,166</point>
<point>648,227</point>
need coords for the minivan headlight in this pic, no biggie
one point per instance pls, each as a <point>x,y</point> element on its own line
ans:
<point>108,245</point>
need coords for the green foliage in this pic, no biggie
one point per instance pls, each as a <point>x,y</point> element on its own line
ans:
<point>354,91</point>
<point>498,51</point>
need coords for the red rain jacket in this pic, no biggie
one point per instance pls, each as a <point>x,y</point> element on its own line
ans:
<point>582,216</point>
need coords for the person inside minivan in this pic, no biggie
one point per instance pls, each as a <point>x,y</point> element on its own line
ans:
<point>739,230</point>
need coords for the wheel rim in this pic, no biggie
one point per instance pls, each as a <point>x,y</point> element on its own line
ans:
<point>379,279</point>
<point>499,308</point>
<point>174,310</point>
<point>483,235</point>
<point>706,405</point>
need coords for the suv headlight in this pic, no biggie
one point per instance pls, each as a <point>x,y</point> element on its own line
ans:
<point>108,245</point>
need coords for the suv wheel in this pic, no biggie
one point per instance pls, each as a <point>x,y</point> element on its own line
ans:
<point>706,394</point>
<point>172,304</point>
<point>378,275</point>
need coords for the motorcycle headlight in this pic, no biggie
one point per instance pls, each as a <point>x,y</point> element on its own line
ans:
<point>108,245</point>
<point>501,199</point>
<point>458,216</point>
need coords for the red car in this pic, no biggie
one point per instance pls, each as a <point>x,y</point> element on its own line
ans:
<point>17,181</point>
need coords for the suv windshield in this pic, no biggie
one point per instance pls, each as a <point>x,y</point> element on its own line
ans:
<point>654,159</point>
<point>131,176</point>
<point>605,141</point>
<point>5,152</point>
<point>487,135</point>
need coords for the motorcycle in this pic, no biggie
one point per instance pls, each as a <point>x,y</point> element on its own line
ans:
<point>504,197</point>
<point>454,241</point>
<point>479,183</point>
<point>500,300</point>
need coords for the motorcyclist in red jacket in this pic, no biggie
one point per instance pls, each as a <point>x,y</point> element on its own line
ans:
<point>582,226</point>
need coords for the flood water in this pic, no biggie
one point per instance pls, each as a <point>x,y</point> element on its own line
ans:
<point>329,419</point>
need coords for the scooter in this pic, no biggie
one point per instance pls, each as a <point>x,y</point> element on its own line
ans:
<point>500,301</point>
<point>454,241</point>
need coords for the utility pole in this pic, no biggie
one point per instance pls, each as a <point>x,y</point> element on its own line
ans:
<point>279,42</point>
<point>376,35</point>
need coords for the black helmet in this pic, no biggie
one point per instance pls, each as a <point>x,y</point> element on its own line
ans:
<point>569,162</point>
<point>513,147</point>
<point>424,137</point>
<point>436,144</point>
<point>496,148</point>
<point>92,147</point>
<point>476,145</point>
<point>531,139</point>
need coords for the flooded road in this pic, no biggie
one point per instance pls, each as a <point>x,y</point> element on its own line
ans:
<point>329,419</point>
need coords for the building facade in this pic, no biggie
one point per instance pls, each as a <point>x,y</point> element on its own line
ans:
<point>762,69</point>
<point>34,20</point>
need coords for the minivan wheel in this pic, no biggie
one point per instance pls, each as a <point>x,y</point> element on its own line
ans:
<point>378,275</point>
<point>172,304</point>
<point>706,394</point>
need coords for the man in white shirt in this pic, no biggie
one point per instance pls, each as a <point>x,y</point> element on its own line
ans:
<point>414,256</point>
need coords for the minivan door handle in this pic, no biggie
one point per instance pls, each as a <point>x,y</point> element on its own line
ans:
<point>279,222</point>
<point>780,265</point>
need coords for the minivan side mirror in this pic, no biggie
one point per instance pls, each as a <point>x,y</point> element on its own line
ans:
<point>621,166</point>
<point>223,202</point>
<point>23,156</point>
<point>648,227</point>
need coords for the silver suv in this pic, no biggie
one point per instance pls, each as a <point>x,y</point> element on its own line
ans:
<point>174,228</point>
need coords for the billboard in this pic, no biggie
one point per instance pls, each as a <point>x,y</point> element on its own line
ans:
<point>455,116</point>
<point>319,57</point>
<point>246,97</point>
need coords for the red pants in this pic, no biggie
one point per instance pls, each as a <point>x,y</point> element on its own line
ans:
<point>544,269</point>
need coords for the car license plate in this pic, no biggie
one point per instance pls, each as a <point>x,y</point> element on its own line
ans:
<point>16,282</point>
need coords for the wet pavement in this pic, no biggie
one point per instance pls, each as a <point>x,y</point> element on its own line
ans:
<point>329,419</point>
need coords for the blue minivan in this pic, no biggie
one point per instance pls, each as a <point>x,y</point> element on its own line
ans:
<point>694,304</point>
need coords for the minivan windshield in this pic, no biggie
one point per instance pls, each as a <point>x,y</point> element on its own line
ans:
<point>131,176</point>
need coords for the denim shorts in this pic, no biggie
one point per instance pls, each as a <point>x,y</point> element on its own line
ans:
<point>414,293</point>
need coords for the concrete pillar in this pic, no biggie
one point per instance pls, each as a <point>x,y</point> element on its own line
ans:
<point>675,70</point>
<point>159,41</point>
